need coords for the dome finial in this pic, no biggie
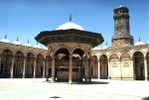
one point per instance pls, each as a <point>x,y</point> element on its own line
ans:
<point>120,3</point>
<point>106,43</point>
<point>5,36</point>
<point>70,18</point>
<point>17,38</point>
<point>28,41</point>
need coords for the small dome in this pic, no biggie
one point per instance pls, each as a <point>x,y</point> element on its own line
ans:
<point>69,25</point>
<point>45,48</point>
<point>28,44</point>
<point>96,48</point>
<point>105,47</point>
<point>4,40</point>
<point>139,43</point>
<point>36,46</point>
<point>17,42</point>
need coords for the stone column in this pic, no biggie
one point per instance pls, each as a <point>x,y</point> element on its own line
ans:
<point>133,69</point>
<point>44,67</point>
<point>53,70</point>
<point>70,68</point>
<point>98,68</point>
<point>89,72</point>
<point>47,70</point>
<point>0,62</point>
<point>146,71</point>
<point>109,69</point>
<point>12,65</point>
<point>24,67</point>
<point>86,69</point>
<point>121,70</point>
<point>34,74</point>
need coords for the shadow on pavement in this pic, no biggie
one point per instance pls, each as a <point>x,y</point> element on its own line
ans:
<point>55,97</point>
<point>93,82</point>
<point>146,98</point>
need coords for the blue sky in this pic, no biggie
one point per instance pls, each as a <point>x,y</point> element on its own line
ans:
<point>26,18</point>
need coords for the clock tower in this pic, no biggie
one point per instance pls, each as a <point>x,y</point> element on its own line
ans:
<point>122,35</point>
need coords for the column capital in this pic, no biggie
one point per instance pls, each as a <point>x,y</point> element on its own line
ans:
<point>70,55</point>
<point>52,57</point>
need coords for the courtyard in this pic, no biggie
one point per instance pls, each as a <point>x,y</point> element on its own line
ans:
<point>39,89</point>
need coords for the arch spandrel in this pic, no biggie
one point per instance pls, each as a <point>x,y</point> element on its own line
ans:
<point>53,48</point>
<point>141,51</point>
<point>20,49</point>
<point>147,54</point>
<point>40,57</point>
<point>6,48</point>
<point>30,55</point>
<point>78,51</point>
<point>8,51</point>
<point>125,56</point>
<point>114,56</point>
<point>19,54</point>
<point>32,52</point>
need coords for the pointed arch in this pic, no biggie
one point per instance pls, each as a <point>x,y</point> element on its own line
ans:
<point>125,56</point>
<point>30,58</point>
<point>114,56</point>
<point>125,65</point>
<point>62,64</point>
<point>6,61</point>
<point>147,60</point>
<point>18,64</point>
<point>77,64</point>
<point>103,67</point>
<point>139,68</point>
<point>39,65</point>
<point>94,66</point>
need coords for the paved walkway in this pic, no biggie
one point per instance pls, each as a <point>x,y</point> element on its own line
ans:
<point>38,89</point>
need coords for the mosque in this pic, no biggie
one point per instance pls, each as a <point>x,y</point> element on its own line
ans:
<point>71,55</point>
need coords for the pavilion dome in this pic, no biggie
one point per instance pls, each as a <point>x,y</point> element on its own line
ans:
<point>139,43</point>
<point>69,25</point>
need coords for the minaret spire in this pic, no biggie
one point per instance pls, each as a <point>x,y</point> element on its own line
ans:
<point>70,18</point>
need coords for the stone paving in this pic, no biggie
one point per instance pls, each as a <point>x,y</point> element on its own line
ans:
<point>39,89</point>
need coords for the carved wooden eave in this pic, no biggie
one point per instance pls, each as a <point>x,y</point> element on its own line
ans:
<point>69,36</point>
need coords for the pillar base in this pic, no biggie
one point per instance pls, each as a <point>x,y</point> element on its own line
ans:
<point>23,76</point>
<point>70,82</point>
<point>11,76</point>
<point>146,79</point>
<point>47,79</point>
<point>34,76</point>
<point>52,79</point>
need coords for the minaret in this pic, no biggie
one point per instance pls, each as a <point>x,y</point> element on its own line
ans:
<point>122,35</point>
